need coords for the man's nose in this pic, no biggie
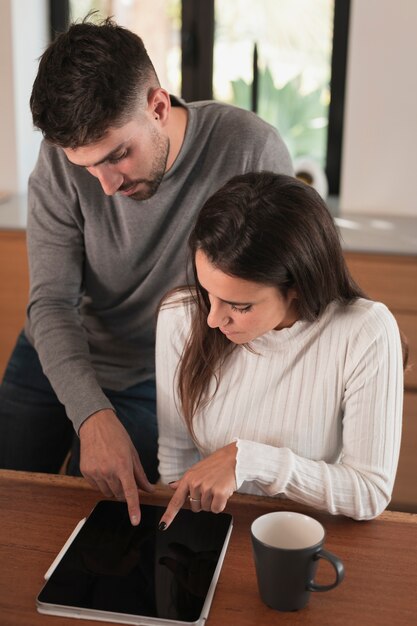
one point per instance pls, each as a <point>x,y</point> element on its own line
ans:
<point>109,179</point>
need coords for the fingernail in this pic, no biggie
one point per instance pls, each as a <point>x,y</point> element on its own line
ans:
<point>135,520</point>
<point>162,526</point>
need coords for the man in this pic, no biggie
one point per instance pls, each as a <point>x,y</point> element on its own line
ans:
<point>100,262</point>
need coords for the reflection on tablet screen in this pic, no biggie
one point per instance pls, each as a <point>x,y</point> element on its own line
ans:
<point>115,567</point>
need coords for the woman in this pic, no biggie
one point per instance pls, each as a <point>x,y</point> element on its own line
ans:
<point>275,374</point>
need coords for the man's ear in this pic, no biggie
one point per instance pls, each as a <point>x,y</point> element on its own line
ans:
<point>159,104</point>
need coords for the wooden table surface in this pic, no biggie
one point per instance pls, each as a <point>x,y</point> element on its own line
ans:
<point>38,512</point>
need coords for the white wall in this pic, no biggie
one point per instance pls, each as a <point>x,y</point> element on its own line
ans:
<point>8,171</point>
<point>379,161</point>
<point>23,37</point>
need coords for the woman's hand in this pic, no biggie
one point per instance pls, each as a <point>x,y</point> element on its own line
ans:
<point>209,484</point>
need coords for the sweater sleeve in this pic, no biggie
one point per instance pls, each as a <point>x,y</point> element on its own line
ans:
<point>176,449</point>
<point>360,484</point>
<point>56,257</point>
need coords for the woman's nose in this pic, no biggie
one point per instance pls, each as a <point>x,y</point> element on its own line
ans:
<point>217,316</point>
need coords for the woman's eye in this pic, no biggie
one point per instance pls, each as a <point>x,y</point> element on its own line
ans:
<point>244,309</point>
<point>116,159</point>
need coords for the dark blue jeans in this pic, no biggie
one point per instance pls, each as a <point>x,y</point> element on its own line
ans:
<point>35,433</point>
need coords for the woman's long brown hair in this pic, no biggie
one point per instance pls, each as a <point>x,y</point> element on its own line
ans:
<point>270,229</point>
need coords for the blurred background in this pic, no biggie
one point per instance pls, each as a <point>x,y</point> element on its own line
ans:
<point>336,77</point>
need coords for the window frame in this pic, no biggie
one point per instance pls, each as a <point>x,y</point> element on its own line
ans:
<point>59,17</point>
<point>337,97</point>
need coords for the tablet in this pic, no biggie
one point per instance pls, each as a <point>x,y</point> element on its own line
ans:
<point>112,571</point>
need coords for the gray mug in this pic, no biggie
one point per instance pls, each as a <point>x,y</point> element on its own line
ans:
<point>287,548</point>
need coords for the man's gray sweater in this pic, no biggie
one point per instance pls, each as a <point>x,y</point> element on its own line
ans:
<point>99,265</point>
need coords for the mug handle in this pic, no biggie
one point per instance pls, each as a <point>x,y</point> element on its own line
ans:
<point>338,568</point>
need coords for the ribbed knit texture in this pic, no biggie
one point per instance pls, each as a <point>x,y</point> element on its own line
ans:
<point>315,409</point>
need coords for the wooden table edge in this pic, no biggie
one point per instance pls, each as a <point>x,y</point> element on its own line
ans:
<point>60,480</point>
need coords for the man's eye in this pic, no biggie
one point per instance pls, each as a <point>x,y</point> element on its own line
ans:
<point>245,309</point>
<point>117,158</point>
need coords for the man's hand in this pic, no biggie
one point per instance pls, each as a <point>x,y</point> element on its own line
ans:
<point>209,484</point>
<point>110,462</point>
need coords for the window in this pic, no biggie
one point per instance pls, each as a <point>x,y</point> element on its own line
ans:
<point>284,59</point>
<point>276,61</point>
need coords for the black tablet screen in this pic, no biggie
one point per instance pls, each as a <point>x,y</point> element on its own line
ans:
<point>113,566</point>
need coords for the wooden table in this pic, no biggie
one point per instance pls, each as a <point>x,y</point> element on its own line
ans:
<point>39,511</point>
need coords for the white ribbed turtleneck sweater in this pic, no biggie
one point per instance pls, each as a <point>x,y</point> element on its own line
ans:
<point>316,409</point>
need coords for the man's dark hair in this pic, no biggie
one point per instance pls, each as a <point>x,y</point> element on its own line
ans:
<point>90,78</point>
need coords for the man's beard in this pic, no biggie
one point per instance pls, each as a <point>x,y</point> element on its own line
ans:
<point>149,186</point>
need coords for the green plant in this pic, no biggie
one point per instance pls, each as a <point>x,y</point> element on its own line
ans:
<point>301,119</point>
